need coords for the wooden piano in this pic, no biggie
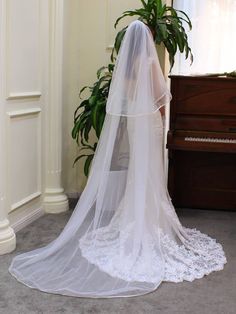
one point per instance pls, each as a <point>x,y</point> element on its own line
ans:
<point>201,142</point>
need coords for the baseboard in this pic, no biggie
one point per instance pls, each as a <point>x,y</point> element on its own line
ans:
<point>27,219</point>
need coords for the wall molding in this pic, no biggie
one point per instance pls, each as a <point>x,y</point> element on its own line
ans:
<point>27,219</point>
<point>23,112</point>
<point>25,200</point>
<point>24,95</point>
<point>11,95</point>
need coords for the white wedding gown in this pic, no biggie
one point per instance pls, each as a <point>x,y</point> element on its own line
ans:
<point>124,237</point>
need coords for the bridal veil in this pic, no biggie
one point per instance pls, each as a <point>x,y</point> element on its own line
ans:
<point>124,237</point>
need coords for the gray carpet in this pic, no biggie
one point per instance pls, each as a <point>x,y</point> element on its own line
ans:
<point>215,293</point>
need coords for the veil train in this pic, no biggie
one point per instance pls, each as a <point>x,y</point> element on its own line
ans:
<point>124,237</point>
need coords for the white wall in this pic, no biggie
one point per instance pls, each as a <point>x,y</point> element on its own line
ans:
<point>30,114</point>
<point>88,38</point>
<point>22,101</point>
<point>40,72</point>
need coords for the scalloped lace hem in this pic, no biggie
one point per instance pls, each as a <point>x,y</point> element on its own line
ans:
<point>198,256</point>
<point>162,259</point>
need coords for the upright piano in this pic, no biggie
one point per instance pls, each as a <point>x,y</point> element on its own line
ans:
<point>201,142</point>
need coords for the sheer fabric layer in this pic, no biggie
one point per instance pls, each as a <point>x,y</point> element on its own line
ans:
<point>138,86</point>
<point>123,238</point>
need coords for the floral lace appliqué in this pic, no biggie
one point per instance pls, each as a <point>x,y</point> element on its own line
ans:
<point>160,257</point>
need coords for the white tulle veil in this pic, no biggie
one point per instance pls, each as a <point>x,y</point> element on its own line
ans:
<point>116,242</point>
<point>138,86</point>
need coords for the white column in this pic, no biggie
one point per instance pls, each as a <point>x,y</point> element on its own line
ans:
<point>7,235</point>
<point>55,200</point>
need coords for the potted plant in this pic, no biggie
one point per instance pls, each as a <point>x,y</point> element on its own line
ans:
<point>90,115</point>
<point>167,27</point>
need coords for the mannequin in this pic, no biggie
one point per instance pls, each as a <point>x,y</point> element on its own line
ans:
<point>124,237</point>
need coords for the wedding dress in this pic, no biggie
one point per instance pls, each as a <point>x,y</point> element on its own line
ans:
<point>124,237</point>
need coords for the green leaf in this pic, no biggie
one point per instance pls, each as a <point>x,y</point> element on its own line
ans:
<point>100,71</point>
<point>188,19</point>
<point>162,11</point>
<point>158,7</point>
<point>92,100</point>
<point>144,4</point>
<point>171,48</point>
<point>78,158</point>
<point>75,130</point>
<point>163,30</point>
<point>81,91</point>
<point>87,130</point>
<point>100,122</point>
<point>172,11</point>
<point>83,104</point>
<point>95,117</point>
<point>79,124</point>
<point>87,147</point>
<point>87,164</point>
<point>111,67</point>
<point>126,13</point>
<point>118,40</point>
<point>168,26</point>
